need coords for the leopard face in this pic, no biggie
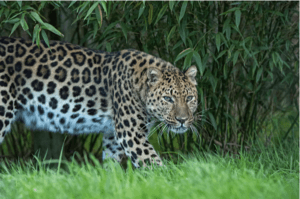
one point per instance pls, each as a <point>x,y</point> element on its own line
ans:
<point>172,97</point>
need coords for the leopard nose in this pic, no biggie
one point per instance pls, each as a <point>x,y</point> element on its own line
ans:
<point>181,120</point>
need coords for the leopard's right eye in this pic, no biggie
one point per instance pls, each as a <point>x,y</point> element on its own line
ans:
<point>168,99</point>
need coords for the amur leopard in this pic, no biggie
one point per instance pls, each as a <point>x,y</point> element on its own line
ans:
<point>68,88</point>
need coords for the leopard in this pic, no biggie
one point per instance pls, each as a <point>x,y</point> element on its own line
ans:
<point>65,88</point>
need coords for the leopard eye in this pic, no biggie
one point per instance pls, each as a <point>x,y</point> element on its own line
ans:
<point>168,99</point>
<point>189,98</point>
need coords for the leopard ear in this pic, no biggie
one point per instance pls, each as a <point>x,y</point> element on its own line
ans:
<point>153,75</point>
<point>191,74</point>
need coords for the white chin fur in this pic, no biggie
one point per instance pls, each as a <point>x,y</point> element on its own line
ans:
<point>179,130</point>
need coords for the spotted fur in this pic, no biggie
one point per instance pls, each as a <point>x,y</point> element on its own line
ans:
<point>67,88</point>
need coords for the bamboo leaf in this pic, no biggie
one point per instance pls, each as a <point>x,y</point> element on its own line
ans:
<point>171,4</point>
<point>99,15</point>
<point>14,28</point>
<point>36,17</point>
<point>108,47</point>
<point>179,43</point>
<point>170,34</point>
<point>218,41</point>
<point>12,21</point>
<point>182,11</point>
<point>150,14</point>
<point>182,29</point>
<point>213,121</point>
<point>259,72</point>
<point>23,22</point>
<point>72,3</point>
<point>1,11</point>
<point>183,54</point>
<point>198,62</point>
<point>52,29</point>
<point>235,57</point>
<point>92,8</point>
<point>142,8</point>
<point>124,30</point>
<point>103,4</point>
<point>44,35</point>
<point>19,3</point>
<point>161,13</point>
<point>35,32</point>
<point>2,3</point>
<point>237,14</point>
<point>221,54</point>
<point>188,60</point>
<point>230,10</point>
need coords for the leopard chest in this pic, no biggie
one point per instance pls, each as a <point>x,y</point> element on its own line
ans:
<point>56,115</point>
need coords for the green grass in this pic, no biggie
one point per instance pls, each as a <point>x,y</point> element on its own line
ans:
<point>270,172</point>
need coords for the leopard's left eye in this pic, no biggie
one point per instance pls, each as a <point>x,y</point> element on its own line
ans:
<point>189,98</point>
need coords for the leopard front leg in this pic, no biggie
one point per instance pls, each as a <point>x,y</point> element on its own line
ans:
<point>111,149</point>
<point>131,133</point>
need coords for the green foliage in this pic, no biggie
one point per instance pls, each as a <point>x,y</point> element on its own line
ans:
<point>246,54</point>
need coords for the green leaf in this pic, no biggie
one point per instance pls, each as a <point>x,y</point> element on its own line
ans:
<point>27,8</point>
<point>182,29</point>
<point>2,3</point>
<point>103,4</point>
<point>237,14</point>
<point>19,3</point>
<point>161,13</point>
<point>14,28</point>
<point>95,29</point>
<point>52,29</point>
<point>235,57</point>
<point>225,71</point>
<point>142,8</point>
<point>179,43</point>
<point>110,26</point>
<point>98,17</point>
<point>83,6</point>
<point>171,4</point>
<point>150,14</point>
<point>182,11</point>
<point>188,60</point>
<point>170,35</point>
<point>213,82</point>
<point>37,17</point>
<point>221,54</point>
<point>230,10</point>
<point>92,8</point>
<point>12,21</point>
<point>213,121</point>
<point>108,47</point>
<point>124,30</point>
<point>183,54</point>
<point>35,32</point>
<point>72,3</point>
<point>1,11</point>
<point>259,72</point>
<point>44,35</point>
<point>218,41</point>
<point>23,22</point>
<point>198,62</point>
<point>38,39</point>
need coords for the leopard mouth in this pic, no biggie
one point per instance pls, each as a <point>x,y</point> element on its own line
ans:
<point>175,128</point>
<point>178,130</point>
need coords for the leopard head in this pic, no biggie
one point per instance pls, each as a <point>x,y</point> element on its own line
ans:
<point>172,97</point>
